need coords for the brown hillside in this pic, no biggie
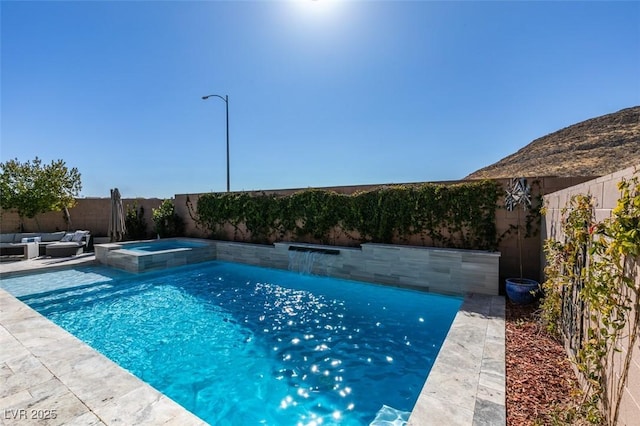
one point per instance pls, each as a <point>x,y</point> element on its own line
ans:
<point>594,147</point>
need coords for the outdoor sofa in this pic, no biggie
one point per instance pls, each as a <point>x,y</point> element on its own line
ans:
<point>72,244</point>
<point>57,244</point>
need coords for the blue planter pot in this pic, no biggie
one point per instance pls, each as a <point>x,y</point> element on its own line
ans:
<point>522,290</point>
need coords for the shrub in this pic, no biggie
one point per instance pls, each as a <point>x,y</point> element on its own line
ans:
<point>166,222</point>
<point>135,223</point>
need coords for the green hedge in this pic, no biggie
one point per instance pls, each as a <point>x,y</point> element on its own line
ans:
<point>458,216</point>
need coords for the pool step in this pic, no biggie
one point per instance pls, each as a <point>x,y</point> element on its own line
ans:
<point>64,299</point>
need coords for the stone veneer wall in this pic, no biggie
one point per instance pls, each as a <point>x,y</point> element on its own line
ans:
<point>437,270</point>
<point>444,271</point>
<point>116,255</point>
<point>605,196</point>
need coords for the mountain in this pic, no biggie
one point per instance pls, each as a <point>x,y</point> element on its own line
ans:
<point>594,147</point>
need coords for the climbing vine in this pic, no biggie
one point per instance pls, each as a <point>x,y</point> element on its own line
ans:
<point>313,214</point>
<point>593,294</point>
<point>461,215</point>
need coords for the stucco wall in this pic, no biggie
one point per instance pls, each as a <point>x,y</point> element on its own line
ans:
<point>605,196</point>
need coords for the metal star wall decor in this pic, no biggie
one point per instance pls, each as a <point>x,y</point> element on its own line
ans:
<point>518,192</point>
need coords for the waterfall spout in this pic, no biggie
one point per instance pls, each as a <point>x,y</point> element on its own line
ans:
<point>311,260</point>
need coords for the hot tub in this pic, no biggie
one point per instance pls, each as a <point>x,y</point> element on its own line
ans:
<point>140,256</point>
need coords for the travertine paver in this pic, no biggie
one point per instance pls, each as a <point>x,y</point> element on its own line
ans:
<point>466,385</point>
<point>49,377</point>
<point>42,367</point>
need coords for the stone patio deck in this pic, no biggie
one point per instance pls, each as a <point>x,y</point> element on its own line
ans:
<point>47,372</point>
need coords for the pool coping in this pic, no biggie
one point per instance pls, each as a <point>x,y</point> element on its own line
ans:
<point>46,368</point>
<point>49,374</point>
<point>467,383</point>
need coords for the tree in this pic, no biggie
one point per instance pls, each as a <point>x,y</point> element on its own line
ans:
<point>32,188</point>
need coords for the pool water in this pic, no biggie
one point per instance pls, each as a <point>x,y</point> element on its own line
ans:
<point>240,345</point>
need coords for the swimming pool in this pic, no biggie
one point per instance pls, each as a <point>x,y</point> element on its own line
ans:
<point>244,345</point>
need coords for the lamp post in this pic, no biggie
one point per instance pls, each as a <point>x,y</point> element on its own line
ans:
<point>226,101</point>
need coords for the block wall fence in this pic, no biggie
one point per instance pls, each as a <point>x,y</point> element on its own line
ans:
<point>93,214</point>
<point>605,195</point>
<point>508,247</point>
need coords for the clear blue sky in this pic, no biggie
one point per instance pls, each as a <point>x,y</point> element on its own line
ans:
<point>320,92</point>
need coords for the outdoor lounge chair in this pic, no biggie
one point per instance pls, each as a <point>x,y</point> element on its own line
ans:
<point>72,244</point>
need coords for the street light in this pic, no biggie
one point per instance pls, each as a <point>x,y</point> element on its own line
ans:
<point>226,101</point>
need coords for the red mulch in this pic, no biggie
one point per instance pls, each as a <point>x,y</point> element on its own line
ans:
<point>540,380</point>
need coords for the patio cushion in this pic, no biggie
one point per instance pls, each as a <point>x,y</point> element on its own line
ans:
<point>6,238</point>
<point>18,237</point>
<point>71,248</point>
<point>69,244</point>
<point>79,236</point>
<point>52,236</point>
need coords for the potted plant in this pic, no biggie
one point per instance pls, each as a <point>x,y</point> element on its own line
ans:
<point>520,290</point>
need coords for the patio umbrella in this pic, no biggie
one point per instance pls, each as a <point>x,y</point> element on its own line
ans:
<point>117,227</point>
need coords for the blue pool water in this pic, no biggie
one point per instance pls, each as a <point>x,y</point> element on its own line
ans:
<point>152,246</point>
<point>240,345</point>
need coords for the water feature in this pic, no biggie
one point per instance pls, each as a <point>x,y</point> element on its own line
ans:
<point>311,260</point>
